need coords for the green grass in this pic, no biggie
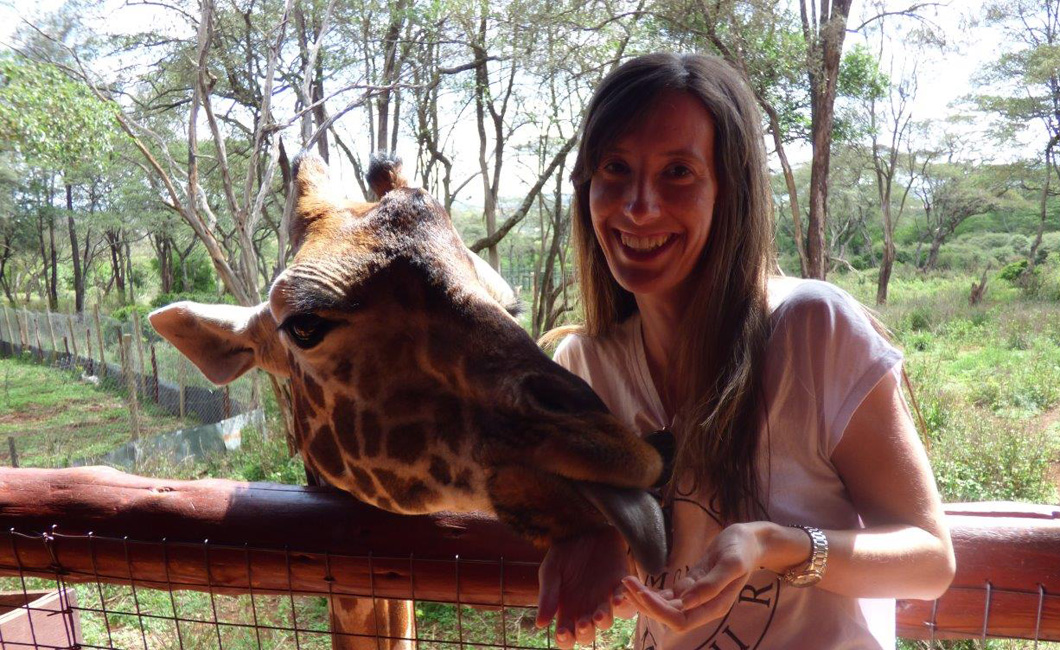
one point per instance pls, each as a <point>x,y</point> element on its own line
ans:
<point>987,378</point>
<point>55,418</point>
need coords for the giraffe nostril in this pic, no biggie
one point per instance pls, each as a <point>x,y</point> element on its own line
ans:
<point>560,394</point>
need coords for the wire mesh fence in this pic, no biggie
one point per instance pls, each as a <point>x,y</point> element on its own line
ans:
<point>110,607</point>
<point>130,359</point>
<point>338,578</point>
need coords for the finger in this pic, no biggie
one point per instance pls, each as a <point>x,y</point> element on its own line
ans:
<point>564,638</point>
<point>547,598</point>
<point>710,585</point>
<point>584,631</point>
<point>651,604</point>
<point>714,608</point>
<point>603,618</point>
<point>621,606</point>
<point>624,608</point>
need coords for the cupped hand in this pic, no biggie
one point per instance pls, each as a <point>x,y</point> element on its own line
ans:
<point>709,589</point>
<point>580,584</point>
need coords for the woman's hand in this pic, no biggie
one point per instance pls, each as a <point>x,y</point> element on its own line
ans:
<point>580,584</point>
<point>711,587</point>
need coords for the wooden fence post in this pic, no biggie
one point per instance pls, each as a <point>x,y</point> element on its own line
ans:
<point>130,383</point>
<point>154,371</point>
<point>73,337</point>
<point>91,358</point>
<point>11,449</point>
<point>36,334</point>
<point>182,380</point>
<point>99,339</point>
<point>51,334</point>
<point>21,336</point>
<point>227,402</point>
<point>137,336</point>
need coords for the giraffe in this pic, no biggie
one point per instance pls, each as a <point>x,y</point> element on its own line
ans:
<point>415,389</point>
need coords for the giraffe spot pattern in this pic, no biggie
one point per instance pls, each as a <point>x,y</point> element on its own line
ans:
<point>406,442</point>
<point>344,419</point>
<point>410,494</point>
<point>384,504</point>
<point>371,432</point>
<point>344,372</point>
<point>325,452</point>
<point>463,480</point>
<point>411,398</point>
<point>364,481</point>
<point>368,384</point>
<point>449,421</point>
<point>439,470</point>
<point>313,390</point>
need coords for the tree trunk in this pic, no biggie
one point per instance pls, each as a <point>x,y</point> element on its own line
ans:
<point>1042,208</point>
<point>53,262</point>
<point>79,280</point>
<point>789,181</point>
<point>887,263</point>
<point>825,46</point>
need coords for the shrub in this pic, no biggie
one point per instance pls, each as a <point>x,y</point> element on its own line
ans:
<point>1014,271</point>
<point>919,320</point>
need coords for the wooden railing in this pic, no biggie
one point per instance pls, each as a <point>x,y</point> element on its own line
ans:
<point>100,525</point>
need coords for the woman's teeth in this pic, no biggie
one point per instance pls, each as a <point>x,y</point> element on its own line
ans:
<point>644,243</point>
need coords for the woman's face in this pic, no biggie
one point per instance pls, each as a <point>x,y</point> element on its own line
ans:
<point>652,197</point>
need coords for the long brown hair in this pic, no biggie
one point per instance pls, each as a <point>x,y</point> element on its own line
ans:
<point>721,342</point>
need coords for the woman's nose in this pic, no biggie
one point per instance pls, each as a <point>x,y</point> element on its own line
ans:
<point>642,201</point>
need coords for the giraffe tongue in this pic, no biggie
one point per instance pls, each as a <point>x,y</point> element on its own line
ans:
<point>637,516</point>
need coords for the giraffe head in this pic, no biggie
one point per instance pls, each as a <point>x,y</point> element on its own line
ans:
<point>414,387</point>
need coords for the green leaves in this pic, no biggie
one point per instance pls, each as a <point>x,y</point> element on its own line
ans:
<point>52,121</point>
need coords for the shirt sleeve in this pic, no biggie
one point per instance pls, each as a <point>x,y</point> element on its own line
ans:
<point>571,355</point>
<point>834,351</point>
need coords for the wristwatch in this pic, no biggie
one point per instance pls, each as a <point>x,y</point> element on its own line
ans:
<point>811,573</point>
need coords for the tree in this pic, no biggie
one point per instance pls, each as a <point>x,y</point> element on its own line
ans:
<point>56,126</point>
<point>1026,85</point>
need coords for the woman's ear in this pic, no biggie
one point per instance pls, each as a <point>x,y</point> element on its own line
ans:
<point>223,341</point>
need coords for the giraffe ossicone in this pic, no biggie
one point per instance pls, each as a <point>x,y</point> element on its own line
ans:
<point>415,389</point>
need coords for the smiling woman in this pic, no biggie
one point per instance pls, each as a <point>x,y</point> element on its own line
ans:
<point>801,500</point>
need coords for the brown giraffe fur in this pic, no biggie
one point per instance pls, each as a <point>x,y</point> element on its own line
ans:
<point>414,388</point>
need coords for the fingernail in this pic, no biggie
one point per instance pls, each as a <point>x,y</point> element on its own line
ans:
<point>618,600</point>
<point>598,616</point>
<point>562,632</point>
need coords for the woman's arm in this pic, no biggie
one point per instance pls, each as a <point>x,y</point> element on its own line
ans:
<point>904,551</point>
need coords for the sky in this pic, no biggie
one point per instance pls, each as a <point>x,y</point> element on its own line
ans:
<point>945,74</point>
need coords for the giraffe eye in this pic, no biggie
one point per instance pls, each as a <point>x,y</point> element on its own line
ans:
<point>306,330</point>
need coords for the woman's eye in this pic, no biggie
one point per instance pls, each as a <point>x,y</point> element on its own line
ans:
<point>307,330</point>
<point>614,167</point>
<point>679,171</point>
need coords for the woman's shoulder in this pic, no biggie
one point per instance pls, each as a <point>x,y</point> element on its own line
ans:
<point>814,303</point>
<point>578,349</point>
<point>787,294</point>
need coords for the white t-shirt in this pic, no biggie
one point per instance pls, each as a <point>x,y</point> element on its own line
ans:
<point>823,357</point>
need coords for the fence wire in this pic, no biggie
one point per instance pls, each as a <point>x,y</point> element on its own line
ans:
<point>85,609</point>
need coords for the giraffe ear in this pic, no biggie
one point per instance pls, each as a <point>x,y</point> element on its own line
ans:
<point>223,341</point>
